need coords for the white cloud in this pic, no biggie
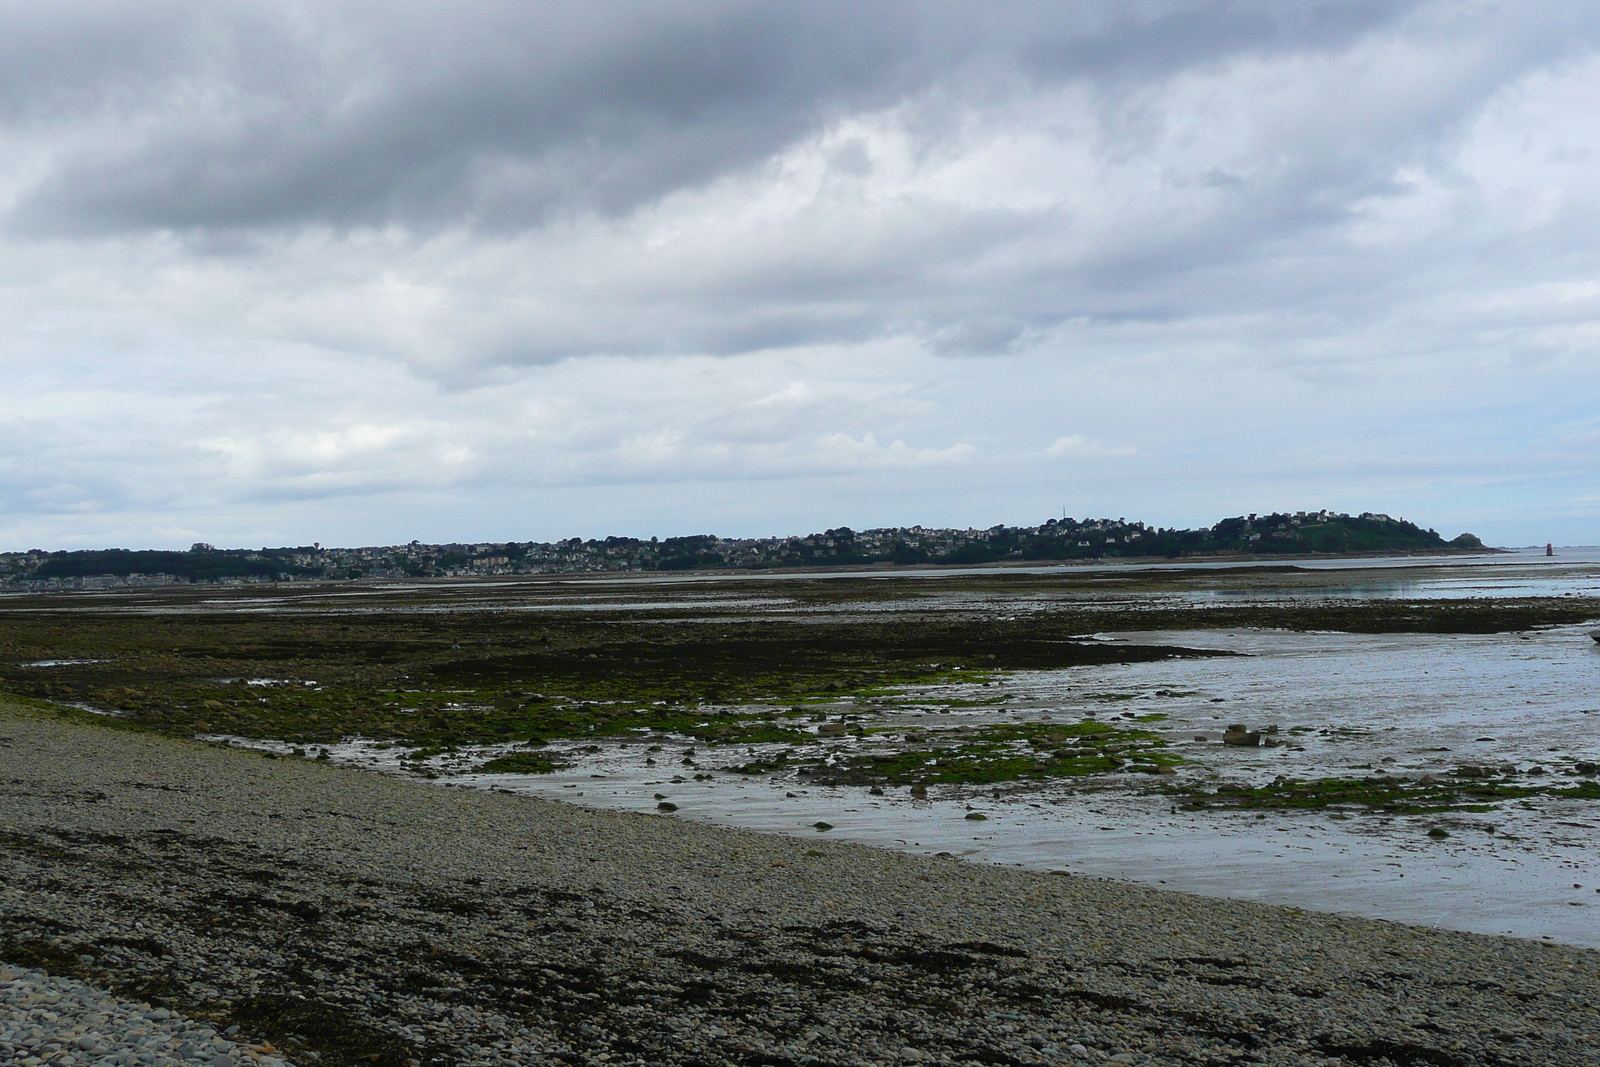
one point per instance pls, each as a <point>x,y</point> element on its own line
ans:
<point>1077,445</point>
<point>337,273</point>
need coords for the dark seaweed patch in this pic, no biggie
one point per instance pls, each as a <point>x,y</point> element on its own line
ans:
<point>989,948</point>
<point>41,955</point>
<point>1404,796</point>
<point>340,1039</point>
<point>1402,1054</point>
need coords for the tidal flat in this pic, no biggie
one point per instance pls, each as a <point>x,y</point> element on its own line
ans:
<point>1424,731</point>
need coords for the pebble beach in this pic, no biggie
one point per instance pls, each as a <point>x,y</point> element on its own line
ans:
<point>167,901</point>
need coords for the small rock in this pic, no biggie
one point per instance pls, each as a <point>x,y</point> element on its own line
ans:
<point>666,805</point>
<point>823,826</point>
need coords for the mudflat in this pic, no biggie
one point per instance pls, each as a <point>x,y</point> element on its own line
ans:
<point>352,918</point>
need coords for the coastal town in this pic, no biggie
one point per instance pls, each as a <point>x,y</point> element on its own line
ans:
<point>1064,539</point>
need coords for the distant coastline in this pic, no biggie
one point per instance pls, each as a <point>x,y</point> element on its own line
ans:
<point>1279,536</point>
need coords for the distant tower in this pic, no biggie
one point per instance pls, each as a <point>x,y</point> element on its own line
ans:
<point>1549,549</point>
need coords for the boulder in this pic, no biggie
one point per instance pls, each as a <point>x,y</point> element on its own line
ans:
<point>1241,736</point>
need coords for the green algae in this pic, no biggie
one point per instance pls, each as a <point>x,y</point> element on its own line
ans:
<point>439,665</point>
<point>991,755</point>
<point>1382,793</point>
<point>423,677</point>
<point>520,763</point>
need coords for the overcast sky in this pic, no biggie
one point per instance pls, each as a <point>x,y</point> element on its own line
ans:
<point>360,273</point>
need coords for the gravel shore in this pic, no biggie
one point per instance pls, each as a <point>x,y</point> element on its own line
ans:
<point>46,1019</point>
<point>339,917</point>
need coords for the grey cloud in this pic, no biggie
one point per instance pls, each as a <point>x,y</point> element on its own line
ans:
<point>196,116</point>
<point>1137,41</point>
<point>980,336</point>
<point>356,115</point>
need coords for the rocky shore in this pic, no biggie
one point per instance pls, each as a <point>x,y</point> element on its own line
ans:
<point>204,905</point>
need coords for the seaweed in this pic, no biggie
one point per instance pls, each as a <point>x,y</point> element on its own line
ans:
<point>1403,796</point>
<point>1003,753</point>
<point>441,665</point>
<point>339,1038</point>
<point>417,675</point>
<point>519,763</point>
